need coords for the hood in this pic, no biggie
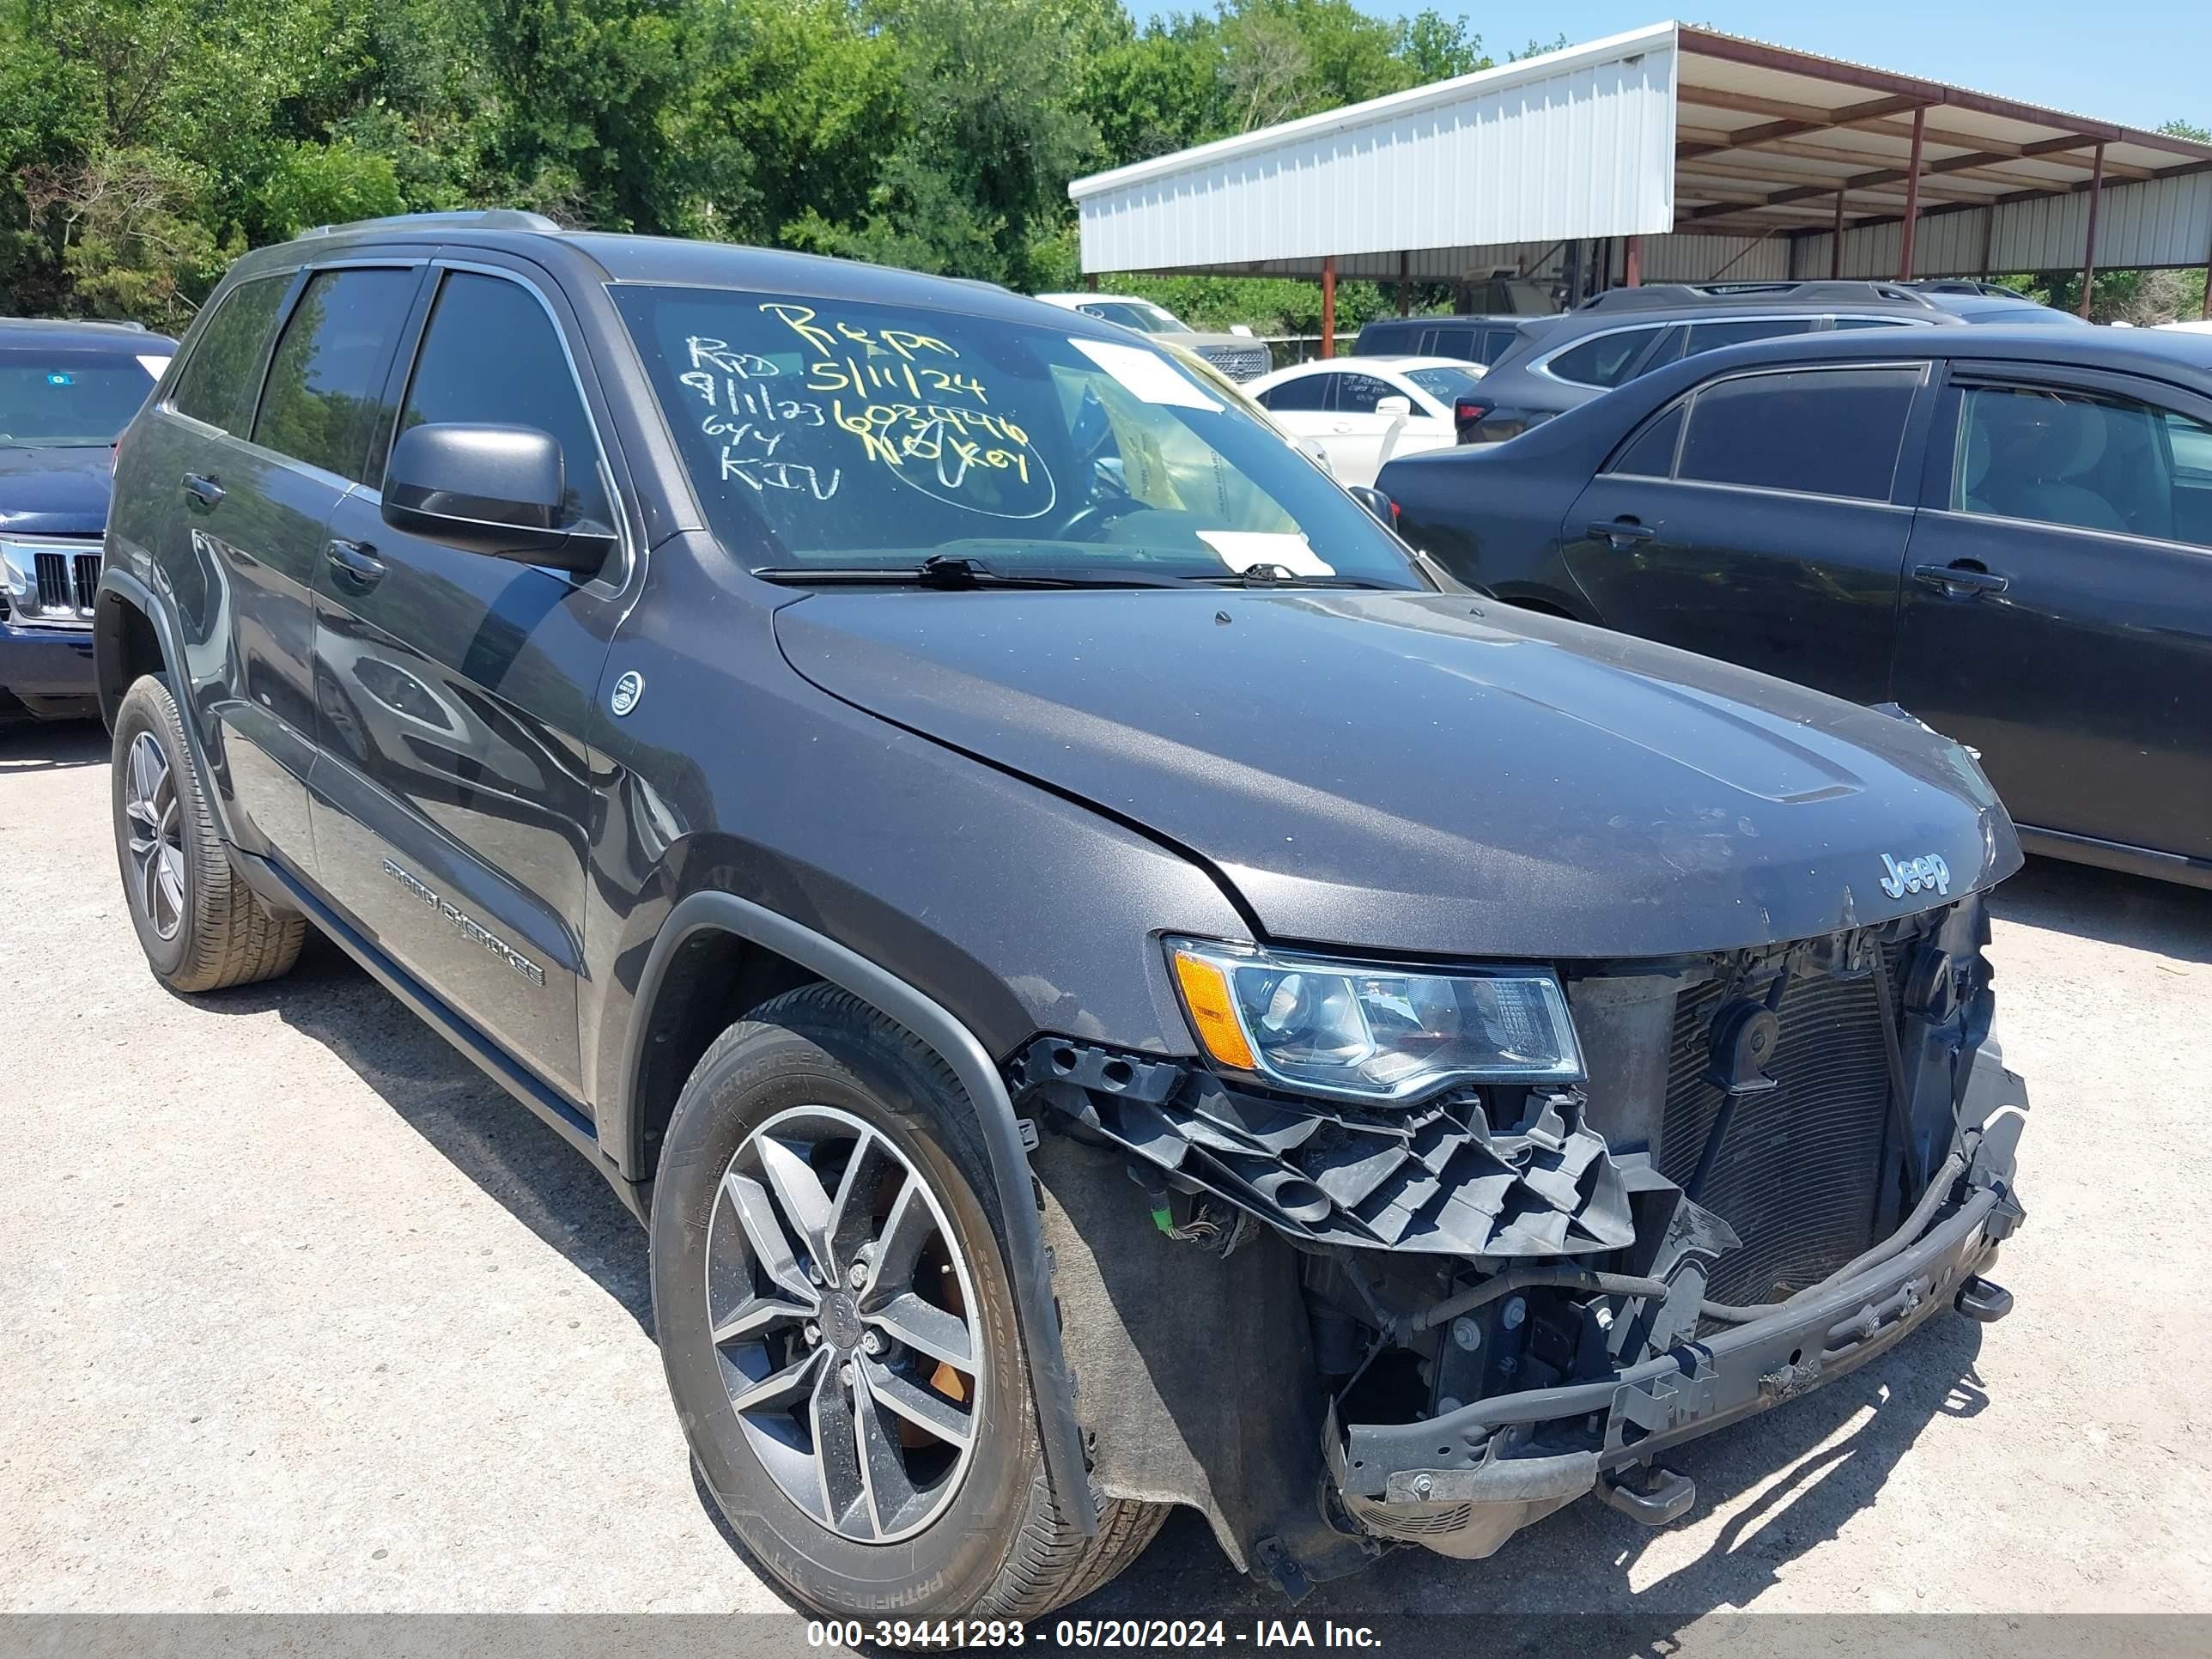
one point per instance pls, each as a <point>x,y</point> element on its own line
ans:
<point>1430,774</point>
<point>55,492</point>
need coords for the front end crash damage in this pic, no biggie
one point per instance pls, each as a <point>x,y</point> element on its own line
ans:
<point>1348,1325</point>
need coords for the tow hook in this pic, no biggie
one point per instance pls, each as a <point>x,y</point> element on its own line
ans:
<point>1664,1498</point>
<point>1982,1300</point>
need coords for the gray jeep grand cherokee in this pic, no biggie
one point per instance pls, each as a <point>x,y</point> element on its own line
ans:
<point>1108,984</point>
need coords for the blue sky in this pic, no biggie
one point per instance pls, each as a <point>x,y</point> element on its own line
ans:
<point>2142,64</point>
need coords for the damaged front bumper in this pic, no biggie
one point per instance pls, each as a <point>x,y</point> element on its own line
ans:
<point>1464,1481</point>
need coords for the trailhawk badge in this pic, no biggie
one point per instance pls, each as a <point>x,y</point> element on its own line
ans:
<point>1915,875</point>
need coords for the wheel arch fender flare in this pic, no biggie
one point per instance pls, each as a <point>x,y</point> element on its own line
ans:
<point>120,587</point>
<point>931,1024</point>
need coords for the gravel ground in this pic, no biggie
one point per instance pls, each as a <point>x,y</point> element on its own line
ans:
<point>300,1314</point>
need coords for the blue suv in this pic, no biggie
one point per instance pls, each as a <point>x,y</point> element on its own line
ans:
<point>67,389</point>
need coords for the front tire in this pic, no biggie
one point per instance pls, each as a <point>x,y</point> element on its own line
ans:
<point>201,928</point>
<point>839,1333</point>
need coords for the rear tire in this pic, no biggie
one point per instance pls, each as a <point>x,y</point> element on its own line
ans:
<point>998,1543</point>
<point>201,928</point>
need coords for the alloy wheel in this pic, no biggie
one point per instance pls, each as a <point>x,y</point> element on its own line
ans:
<point>844,1317</point>
<point>157,836</point>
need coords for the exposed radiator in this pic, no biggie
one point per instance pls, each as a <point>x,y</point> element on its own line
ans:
<point>1800,1169</point>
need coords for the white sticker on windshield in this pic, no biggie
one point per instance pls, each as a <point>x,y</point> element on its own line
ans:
<point>1146,374</point>
<point>152,364</point>
<point>1240,550</point>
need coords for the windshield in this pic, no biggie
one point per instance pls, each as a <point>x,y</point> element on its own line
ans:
<point>72,400</point>
<point>833,434</point>
<point>1445,384</point>
<point>1141,314</point>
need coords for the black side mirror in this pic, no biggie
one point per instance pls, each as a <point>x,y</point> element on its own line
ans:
<point>495,490</point>
<point>1376,502</point>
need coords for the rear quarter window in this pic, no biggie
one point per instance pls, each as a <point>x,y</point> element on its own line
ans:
<point>1603,359</point>
<point>221,378</point>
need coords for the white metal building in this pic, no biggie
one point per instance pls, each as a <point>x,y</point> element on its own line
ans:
<point>1668,154</point>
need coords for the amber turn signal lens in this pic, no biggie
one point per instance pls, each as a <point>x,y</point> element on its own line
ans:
<point>1206,993</point>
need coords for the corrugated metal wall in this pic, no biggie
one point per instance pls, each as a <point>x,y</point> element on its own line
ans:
<point>1577,143</point>
<point>2157,222</point>
<point>1690,258</point>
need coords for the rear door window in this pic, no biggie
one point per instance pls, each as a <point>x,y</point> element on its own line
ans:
<point>1358,394</point>
<point>1604,360</point>
<point>324,401</point>
<point>1496,342</point>
<point>219,379</point>
<point>1813,432</point>
<point>1307,392</point>
<point>491,354</point>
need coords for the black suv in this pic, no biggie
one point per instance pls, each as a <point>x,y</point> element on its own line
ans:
<point>1476,339</point>
<point>1611,339</point>
<point>1108,985</point>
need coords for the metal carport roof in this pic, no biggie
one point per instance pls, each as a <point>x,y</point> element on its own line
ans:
<point>1721,154</point>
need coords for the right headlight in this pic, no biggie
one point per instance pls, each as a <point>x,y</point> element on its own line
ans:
<point>1316,1025</point>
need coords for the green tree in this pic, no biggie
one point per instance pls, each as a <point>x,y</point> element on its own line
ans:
<point>978,176</point>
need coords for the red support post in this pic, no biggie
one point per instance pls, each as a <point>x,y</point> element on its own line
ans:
<point>1912,196</point>
<point>1091,281</point>
<point>2089,242</point>
<point>1329,305</point>
<point>1632,263</point>
<point>1835,240</point>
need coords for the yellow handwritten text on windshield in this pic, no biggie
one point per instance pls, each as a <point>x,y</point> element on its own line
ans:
<point>911,406</point>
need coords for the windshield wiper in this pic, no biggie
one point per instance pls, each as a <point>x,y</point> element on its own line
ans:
<point>946,571</point>
<point>1265,574</point>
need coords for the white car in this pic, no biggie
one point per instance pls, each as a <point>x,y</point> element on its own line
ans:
<point>1238,353</point>
<point>1366,411</point>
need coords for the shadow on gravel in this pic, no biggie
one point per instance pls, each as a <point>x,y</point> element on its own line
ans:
<point>29,745</point>
<point>2105,905</point>
<point>1584,1559</point>
<point>486,1134</point>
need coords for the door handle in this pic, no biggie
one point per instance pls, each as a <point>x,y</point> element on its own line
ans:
<point>1621,532</point>
<point>1341,426</point>
<point>354,564</point>
<point>202,490</point>
<point>1963,580</point>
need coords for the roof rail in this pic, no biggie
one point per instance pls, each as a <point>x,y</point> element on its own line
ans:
<point>464,218</point>
<point>130,323</point>
<point>1653,295</point>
